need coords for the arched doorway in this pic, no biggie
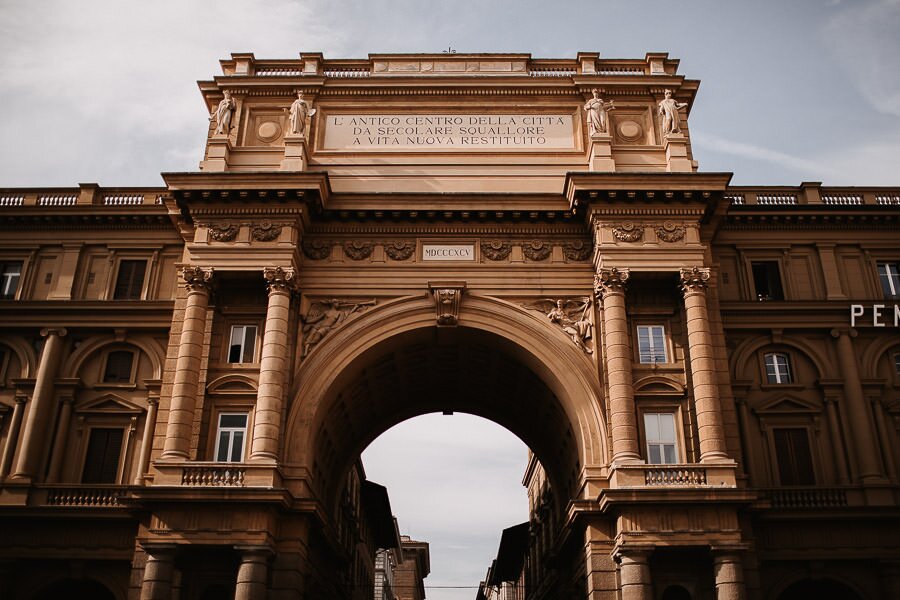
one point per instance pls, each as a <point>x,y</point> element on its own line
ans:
<point>820,589</point>
<point>75,589</point>
<point>675,592</point>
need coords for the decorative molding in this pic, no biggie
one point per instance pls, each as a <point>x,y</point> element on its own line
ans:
<point>577,250</point>
<point>537,250</point>
<point>196,278</point>
<point>496,249</point>
<point>610,281</point>
<point>400,249</point>
<point>571,315</point>
<point>628,232</point>
<point>447,296</point>
<point>357,250</point>
<point>694,279</point>
<point>265,231</point>
<point>316,249</point>
<point>670,232</point>
<point>223,232</point>
<point>325,316</point>
<point>280,279</point>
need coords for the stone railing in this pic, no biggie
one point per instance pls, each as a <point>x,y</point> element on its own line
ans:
<point>813,194</point>
<point>81,496</point>
<point>52,198</point>
<point>674,476</point>
<point>12,199</point>
<point>667,476</point>
<point>842,199</point>
<point>805,497</point>
<point>123,199</point>
<point>207,476</point>
<point>776,199</point>
<point>57,200</point>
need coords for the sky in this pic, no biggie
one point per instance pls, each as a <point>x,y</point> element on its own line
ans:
<point>792,91</point>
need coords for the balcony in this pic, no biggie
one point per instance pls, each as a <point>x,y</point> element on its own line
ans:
<point>216,475</point>
<point>79,495</point>
<point>693,475</point>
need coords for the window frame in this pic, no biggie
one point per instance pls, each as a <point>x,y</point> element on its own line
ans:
<point>120,465</point>
<point>892,279</point>
<point>781,280</point>
<point>114,281</point>
<point>19,282</point>
<point>665,343</point>
<point>105,363</point>
<point>791,380</point>
<point>231,412</point>
<point>254,358</point>
<point>811,449</point>
<point>677,441</point>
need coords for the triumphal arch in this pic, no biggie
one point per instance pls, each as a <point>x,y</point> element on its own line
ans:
<point>528,240</point>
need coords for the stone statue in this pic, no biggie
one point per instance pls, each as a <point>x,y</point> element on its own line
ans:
<point>324,317</point>
<point>572,316</point>
<point>223,114</point>
<point>299,112</point>
<point>669,108</point>
<point>596,110</point>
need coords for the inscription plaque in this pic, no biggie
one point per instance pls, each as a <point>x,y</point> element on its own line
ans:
<point>427,132</point>
<point>448,251</point>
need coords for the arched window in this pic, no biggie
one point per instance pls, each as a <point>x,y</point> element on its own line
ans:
<point>778,368</point>
<point>119,367</point>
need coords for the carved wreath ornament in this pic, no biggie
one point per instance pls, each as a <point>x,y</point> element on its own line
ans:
<point>577,250</point>
<point>537,250</point>
<point>316,249</point>
<point>223,232</point>
<point>265,231</point>
<point>496,249</point>
<point>627,232</point>
<point>400,250</point>
<point>357,250</point>
<point>670,232</point>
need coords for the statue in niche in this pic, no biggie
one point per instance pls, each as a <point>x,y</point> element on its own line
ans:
<point>572,316</point>
<point>299,112</point>
<point>326,316</point>
<point>223,114</point>
<point>668,109</point>
<point>596,110</point>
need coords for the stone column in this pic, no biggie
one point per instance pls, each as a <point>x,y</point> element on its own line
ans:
<point>273,366</point>
<point>703,366</point>
<point>729,573</point>
<point>15,423</point>
<point>837,443</point>
<point>36,425</point>
<point>62,435</point>
<point>857,410</point>
<point>609,285</point>
<point>187,368</point>
<point>158,573</point>
<point>147,440</point>
<point>252,574</point>
<point>634,574</point>
<point>884,438</point>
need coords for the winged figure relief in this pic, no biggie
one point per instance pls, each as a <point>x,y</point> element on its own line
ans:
<point>325,316</point>
<point>572,315</point>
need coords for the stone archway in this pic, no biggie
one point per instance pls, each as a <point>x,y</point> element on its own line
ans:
<point>502,363</point>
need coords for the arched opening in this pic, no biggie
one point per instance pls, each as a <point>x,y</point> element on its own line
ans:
<point>675,592</point>
<point>75,589</point>
<point>820,589</point>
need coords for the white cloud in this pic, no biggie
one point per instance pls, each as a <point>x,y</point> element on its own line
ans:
<point>706,141</point>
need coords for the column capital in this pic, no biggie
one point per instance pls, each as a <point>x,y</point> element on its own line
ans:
<point>57,331</point>
<point>694,280</point>
<point>196,279</point>
<point>280,279</point>
<point>610,281</point>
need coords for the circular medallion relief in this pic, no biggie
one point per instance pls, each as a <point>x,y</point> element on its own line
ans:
<point>630,131</point>
<point>268,131</point>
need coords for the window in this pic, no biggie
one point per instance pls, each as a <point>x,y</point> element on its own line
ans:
<point>101,465</point>
<point>130,281</point>
<point>230,441</point>
<point>767,281</point>
<point>794,458</point>
<point>659,428</point>
<point>10,273</point>
<point>243,343</point>
<point>118,367</point>
<point>652,343</point>
<point>889,273</point>
<point>778,368</point>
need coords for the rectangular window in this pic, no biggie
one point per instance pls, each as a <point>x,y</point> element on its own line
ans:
<point>889,273</point>
<point>104,450</point>
<point>652,344</point>
<point>130,280</point>
<point>767,281</point>
<point>231,436</point>
<point>118,367</point>
<point>243,344</point>
<point>794,458</point>
<point>778,368</point>
<point>659,429</point>
<point>10,273</point>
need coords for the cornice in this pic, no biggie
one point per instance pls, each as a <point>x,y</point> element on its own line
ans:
<point>136,314</point>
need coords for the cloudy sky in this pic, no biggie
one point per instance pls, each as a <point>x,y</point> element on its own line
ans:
<point>805,90</point>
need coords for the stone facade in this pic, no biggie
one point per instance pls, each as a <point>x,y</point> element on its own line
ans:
<point>188,374</point>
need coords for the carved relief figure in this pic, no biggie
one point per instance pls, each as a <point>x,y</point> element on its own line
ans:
<point>596,110</point>
<point>223,114</point>
<point>668,109</point>
<point>298,114</point>
<point>572,316</point>
<point>325,317</point>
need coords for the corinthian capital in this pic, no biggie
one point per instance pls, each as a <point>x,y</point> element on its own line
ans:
<point>693,279</point>
<point>196,278</point>
<point>280,279</point>
<point>610,281</point>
